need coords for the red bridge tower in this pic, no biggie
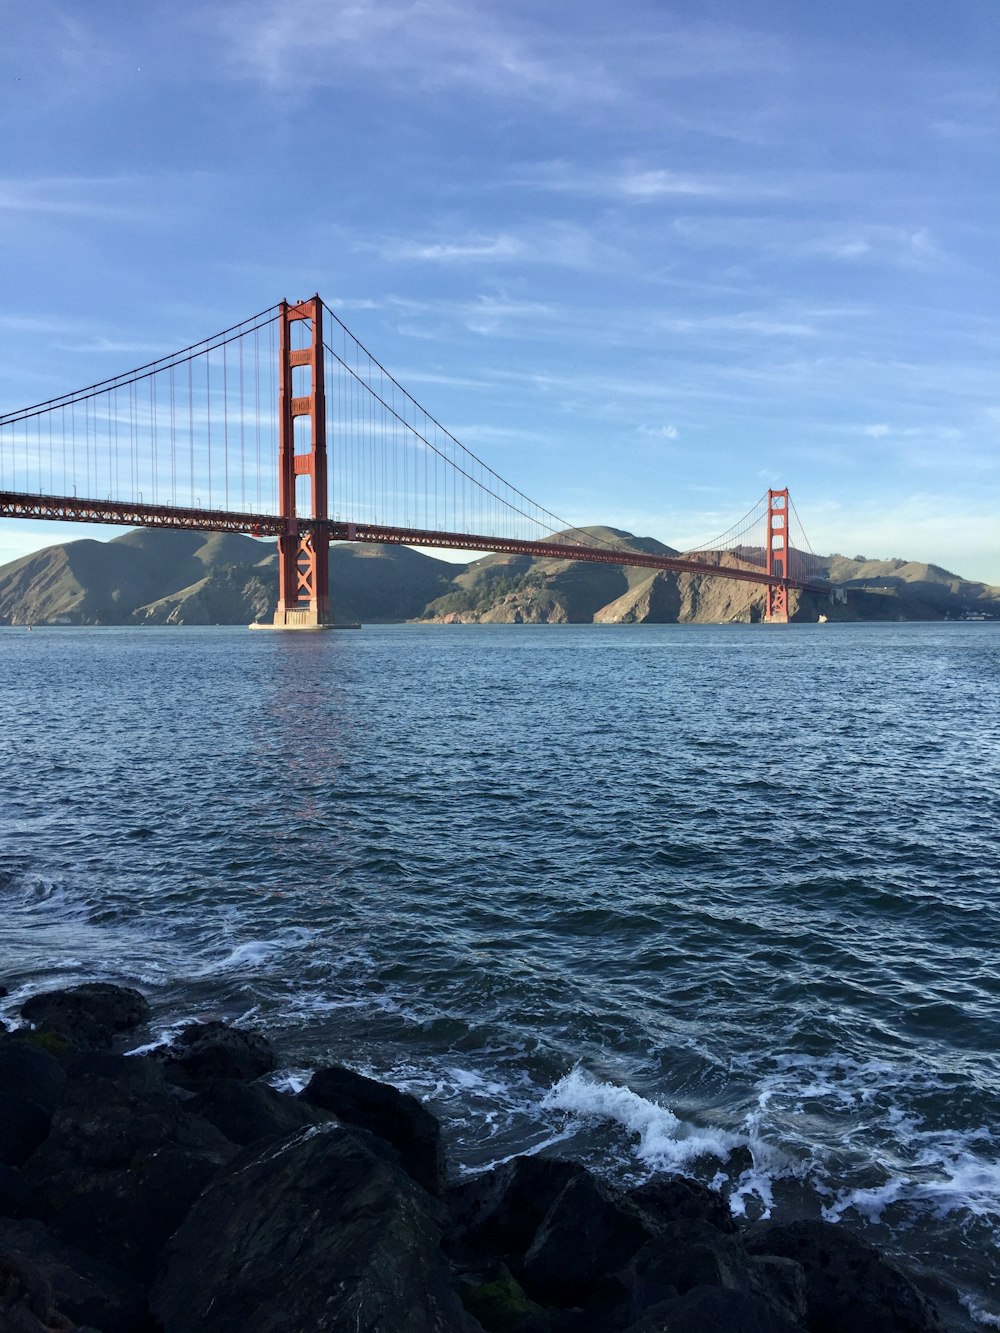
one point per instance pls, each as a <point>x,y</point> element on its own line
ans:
<point>778,552</point>
<point>303,558</point>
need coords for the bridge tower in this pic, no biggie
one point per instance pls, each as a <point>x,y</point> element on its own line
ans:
<point>303,557</point>
<point>778,552</point>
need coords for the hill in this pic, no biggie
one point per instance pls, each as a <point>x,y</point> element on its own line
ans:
<point>154,576</point>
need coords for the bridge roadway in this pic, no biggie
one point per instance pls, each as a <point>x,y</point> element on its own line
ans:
<point>14,504</point>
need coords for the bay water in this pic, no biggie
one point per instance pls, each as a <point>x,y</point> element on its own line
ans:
<point>712,899</point>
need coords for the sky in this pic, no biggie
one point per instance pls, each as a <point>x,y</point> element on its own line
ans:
<point>646,259</point>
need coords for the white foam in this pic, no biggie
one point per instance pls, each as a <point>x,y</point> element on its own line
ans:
<point>253,953</point>
<point>963,1182</point>
<point>979,1315</point>
<point>248,955</point>
<point>665,1142</point>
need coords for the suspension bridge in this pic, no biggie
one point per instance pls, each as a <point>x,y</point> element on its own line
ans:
<point>231,434</point>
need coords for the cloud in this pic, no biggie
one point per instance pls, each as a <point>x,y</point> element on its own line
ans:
<point>72,197</point>
<point>425,45</point>
<point>638,183</point>
<point>563,244</point>
<point>470,248</point>
<point>800,238</point>
<point>490,314</point>
<point>961,536</point>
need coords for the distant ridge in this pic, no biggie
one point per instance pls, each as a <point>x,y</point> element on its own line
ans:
<point>154,576</point>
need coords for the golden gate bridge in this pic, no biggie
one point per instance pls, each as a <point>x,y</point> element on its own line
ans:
<point>190,441</point>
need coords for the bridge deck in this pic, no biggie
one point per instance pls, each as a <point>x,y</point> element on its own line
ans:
<point>15,504</point>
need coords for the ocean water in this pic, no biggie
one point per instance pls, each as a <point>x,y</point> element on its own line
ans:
<point>712,899</point>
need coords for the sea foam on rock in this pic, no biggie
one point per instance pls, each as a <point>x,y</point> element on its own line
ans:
<point>174,1191</point>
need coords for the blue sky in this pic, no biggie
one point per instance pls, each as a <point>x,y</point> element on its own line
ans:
<point>646,259</point>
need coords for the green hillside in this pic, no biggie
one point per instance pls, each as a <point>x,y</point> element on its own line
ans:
<point>154,576</point>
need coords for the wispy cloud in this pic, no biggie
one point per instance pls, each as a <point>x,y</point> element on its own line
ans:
<point>470,248</point>
<point>106,199</point>
<point>805,239</point>
<point>562,244</point>
<point>634,182</point>
<point>429,45</point>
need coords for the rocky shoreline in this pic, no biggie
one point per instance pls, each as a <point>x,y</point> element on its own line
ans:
<point>175,1190</point>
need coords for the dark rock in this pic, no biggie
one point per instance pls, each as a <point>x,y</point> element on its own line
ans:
<point>26,1297</point>
<point>87,1016</point>
<point>383,1110</point>
<point>588,1232</point>
<point>739,1160</point>
<point>247,1113</point>
<point>667,1199</point>
<point>499,1211</point>
<point>312,1232</point>
<point>123,1163</point>
<point>501,1306</point>
<point>849,1285</point>
<point>718,1310</point>
<point>206,1052</point>
<point>31,1080</point>
<point>31,1072</point>
<point>13,1192</point>
<point>23,1127</point>
<point>691,1255</point>
<point>4,992</point>
<point>85,1290</point>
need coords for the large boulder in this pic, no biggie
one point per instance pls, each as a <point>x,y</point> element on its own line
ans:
<point>587,1233</point>
<point>718,1310</point>
<point>23,1126</point>
<point>88,1016</point>
<point>667,1199</point>
<point>31,1072</point>
<point>203,1053</point>
<point>14,1192</point>
<point>123,1162</point>
<point>499,1211</point>
<point>383,1110</point>
<point>30,1083</point>
<point>315,1231</point>
<point>81,1288</point>
<point>849,1285</point>
<point>26,1298</point>
<point>692,1255</point>
<point>249,1112</point>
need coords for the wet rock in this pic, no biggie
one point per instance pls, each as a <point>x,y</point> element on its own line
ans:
<point>383,1110</point>
<point>23,1127</point>
<point>499,1211</point>
<point>739,1160</point>
<point>31,1072</point>
<point>587,1233</point>
<point>692,1255</point>
<point>26,1297</point>
<point>87,1016</point>
<point>30,1083</point>
<point>86,1291</point>
<point>849,1285</point>
<point>501,1306</point>
<point>249,1112</point>
<point>13,1192</point>
<point>668,1199</point>
<point>205,1052</point>
<point>316,1232</point>
<point>123,1162</point>
<point>717,1310</point>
